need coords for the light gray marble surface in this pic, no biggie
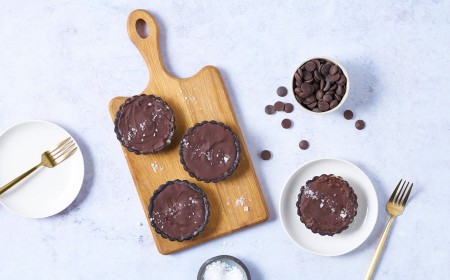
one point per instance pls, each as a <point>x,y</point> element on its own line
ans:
<point>76,55</point>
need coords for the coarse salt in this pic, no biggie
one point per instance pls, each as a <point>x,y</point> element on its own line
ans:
<point>220,270</point>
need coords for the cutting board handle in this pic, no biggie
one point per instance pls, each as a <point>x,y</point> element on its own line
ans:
<point>144,33</point>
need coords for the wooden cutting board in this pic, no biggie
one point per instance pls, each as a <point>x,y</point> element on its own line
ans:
<point>236,202</point>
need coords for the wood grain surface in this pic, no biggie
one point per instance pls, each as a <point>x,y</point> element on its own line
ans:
<point>236,202</point>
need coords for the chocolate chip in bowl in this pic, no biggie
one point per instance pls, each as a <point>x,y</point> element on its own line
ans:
<point>320,85</point>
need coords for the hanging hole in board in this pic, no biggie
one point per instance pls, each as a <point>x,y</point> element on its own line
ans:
<point>142,28</point>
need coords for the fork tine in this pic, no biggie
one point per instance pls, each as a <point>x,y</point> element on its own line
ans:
<point>400,193</point>
<point>65,156</point>
<point>394,194</point>
<point>400,198</point>
<point>63,151</point>
<point>62,148</point>
<point>60,144</point>
<point>391,199</point>
<point>407,195</point>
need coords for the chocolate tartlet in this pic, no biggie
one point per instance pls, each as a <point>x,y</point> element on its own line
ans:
<point>210,151</point>
<point>327,204</point>
<point>144,124</point>
<point>178,210</point>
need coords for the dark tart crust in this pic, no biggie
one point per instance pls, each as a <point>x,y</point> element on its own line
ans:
<point>178,210</point>
<point>327,204</point>
<point>144,124</point>
<point>210,151</point>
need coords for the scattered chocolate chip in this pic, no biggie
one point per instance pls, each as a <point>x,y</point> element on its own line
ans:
<point>319,80</point>
<point>282,91</point>
<point>286,123</point>
<point>360,124</point>
<point>266,155</point>
<point>279,106</point>
<point>303,144</point>
<point>270,110</point>
<point>288,108</point>
<point>348,114</point>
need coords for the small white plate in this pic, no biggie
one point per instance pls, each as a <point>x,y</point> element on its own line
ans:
<point>47,191</point>
<point>350,238</point>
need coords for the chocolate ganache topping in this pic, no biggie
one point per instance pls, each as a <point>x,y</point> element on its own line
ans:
<point>145,124</point>
<point>178,210</point>
<point>210,151</point>
<point>327,205</point>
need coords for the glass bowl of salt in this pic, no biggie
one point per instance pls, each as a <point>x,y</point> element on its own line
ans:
<point>223,267</point>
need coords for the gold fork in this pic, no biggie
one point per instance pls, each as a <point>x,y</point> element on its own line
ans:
<point>49,159</point>
<point>395,207</point>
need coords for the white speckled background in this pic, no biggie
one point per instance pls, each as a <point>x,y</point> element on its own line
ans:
<point>62,61</point>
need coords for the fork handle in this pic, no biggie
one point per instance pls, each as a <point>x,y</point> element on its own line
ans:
<point>380,247</point>
<point>18,179</point>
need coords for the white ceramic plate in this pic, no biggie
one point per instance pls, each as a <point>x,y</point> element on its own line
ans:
<point>46,191</point>
<point>350,238</point>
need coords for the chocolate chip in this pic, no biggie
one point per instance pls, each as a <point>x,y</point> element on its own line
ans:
<point>303,144</point>
<point>310,66</point>
<point>307,75</point>
<point>334,69</point>
<point>323,106</point>
<point>297,77</point>
<point>317,62</point>
<point>322,84</point>
<point>327,86</point>
<point>342,80</point>
<point>286,123</point>
<point>325,70</point>
<point>266,155</point>
<point>312,105</point>
<point>304,94</point>
<point>288,108</point>
<point>270,110</point>
<point>279,106</point>
<point>319,94</point>
<point>333,104</point>
<point>327,97</point>
<point>333,87</point>
<point>311,99</point>
<point>317,76</point>
<point>307,88</point>
<point>360,124</point>
<point>348,114</point>
<point>282,91</point>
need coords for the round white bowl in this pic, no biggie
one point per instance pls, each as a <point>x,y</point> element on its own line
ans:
<point>347,89</point>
